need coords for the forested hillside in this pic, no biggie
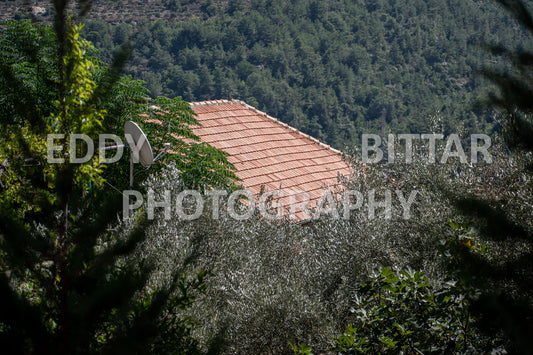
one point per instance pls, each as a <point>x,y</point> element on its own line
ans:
<point>413,256</point>
<point>333,69</point>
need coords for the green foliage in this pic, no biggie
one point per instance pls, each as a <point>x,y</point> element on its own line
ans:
<point>500,220</point>
<point>172,332</point>
<point>76,111</point>
<point>171,121</point>
<point>274,281</point>
<point>402,312</point>
<point>334,69</point>
<point>330,68</point>
<point>300,350</point>
<point>514,82</point>
<point>165,120</point>
<point>70,281</point>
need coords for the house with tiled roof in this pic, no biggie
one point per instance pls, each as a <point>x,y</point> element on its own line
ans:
<point>270,155</point>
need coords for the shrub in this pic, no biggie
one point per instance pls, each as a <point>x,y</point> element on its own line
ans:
<point>402,312</point>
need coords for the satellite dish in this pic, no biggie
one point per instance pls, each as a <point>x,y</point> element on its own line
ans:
<point>140,146</point>
<point>141,143</point>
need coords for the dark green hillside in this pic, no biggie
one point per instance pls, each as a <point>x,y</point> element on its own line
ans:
<point>333,68</point>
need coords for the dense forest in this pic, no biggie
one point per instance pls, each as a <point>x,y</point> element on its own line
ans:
<point>334,69</point>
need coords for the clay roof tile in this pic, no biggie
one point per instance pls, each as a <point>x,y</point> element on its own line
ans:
<point>268,152</point>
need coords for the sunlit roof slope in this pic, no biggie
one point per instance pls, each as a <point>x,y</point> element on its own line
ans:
<point>270,154</point>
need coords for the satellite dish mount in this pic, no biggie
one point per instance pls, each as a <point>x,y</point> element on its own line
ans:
<point>140,148</point>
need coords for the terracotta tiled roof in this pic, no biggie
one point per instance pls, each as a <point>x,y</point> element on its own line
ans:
<point>270,154</point>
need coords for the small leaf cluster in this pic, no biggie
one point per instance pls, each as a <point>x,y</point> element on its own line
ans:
<point>402,312</point>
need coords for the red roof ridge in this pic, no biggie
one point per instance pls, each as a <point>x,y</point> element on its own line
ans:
<point>264,114</point>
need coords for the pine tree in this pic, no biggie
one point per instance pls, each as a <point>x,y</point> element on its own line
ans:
<point>68,283</point>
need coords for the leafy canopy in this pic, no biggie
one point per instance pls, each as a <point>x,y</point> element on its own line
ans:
<point>68,282</point>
